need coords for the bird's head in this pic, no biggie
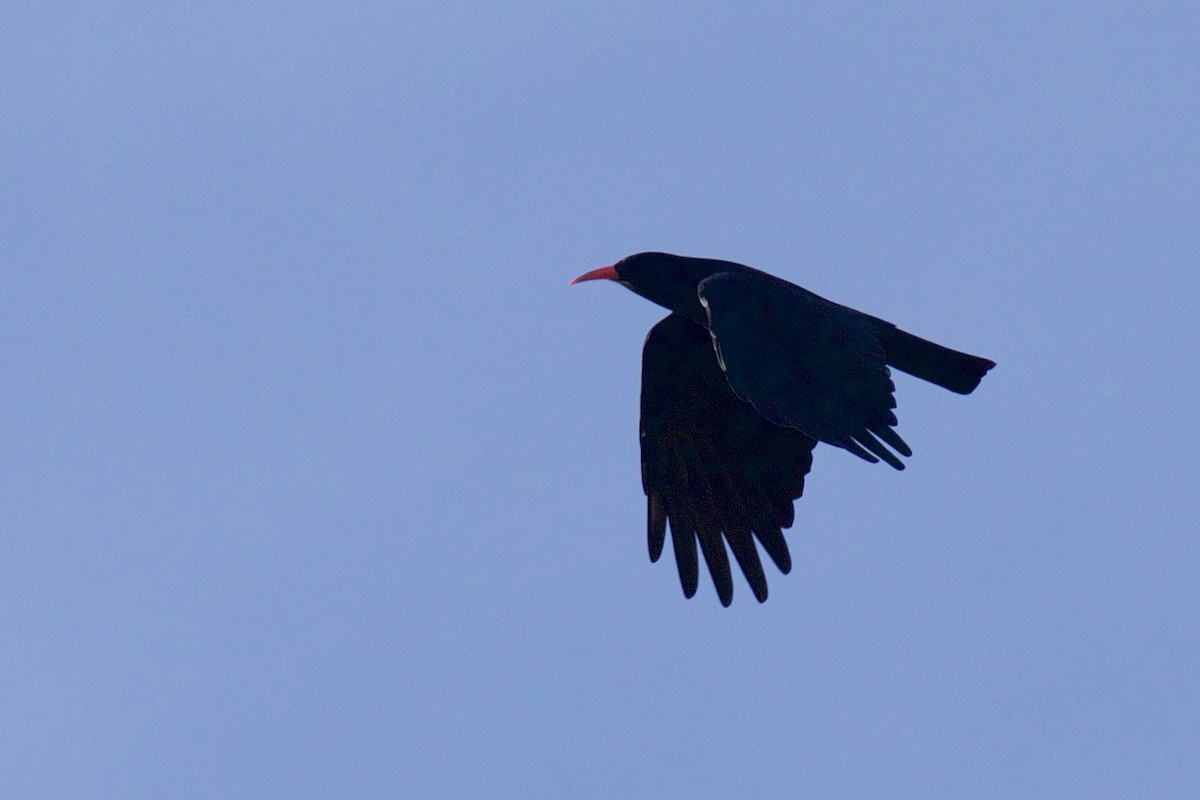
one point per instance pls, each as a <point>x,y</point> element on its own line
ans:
<point>669,280</point>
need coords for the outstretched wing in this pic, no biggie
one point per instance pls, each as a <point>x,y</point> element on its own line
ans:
<point>712,466</point>
<point>804,362</point>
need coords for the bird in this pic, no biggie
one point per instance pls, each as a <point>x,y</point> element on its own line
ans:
<point>739,383</point>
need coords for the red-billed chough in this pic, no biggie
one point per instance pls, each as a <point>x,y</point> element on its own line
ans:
<point>739,383</point>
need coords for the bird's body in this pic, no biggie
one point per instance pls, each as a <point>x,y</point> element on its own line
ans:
<point>739,383</point>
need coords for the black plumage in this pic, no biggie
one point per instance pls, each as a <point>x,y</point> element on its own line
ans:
<point>739,383</point>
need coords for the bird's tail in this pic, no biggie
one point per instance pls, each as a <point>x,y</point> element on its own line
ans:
<point>950,369</point>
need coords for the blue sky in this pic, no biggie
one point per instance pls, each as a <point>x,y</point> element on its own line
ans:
<point>318,480</point>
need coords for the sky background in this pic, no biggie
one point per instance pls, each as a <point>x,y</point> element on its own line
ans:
<point>317,480</point>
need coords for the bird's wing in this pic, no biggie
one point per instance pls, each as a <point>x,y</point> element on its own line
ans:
<point>711,465</point>
<point>804,362</point>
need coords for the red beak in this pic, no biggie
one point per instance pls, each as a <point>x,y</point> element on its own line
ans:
<point>607,273</point>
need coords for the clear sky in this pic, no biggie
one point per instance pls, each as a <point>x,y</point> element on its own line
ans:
<point>317,480</point>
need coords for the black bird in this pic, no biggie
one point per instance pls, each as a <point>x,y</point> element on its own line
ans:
<point>739,383</point>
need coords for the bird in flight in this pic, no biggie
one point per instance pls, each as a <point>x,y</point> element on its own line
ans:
<point>739,383</point>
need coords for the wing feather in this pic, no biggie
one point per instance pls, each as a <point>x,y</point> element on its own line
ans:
<point>713,468</point>
<point>804,362</point>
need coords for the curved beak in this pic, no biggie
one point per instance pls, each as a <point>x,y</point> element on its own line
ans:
<point>606,273</point>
